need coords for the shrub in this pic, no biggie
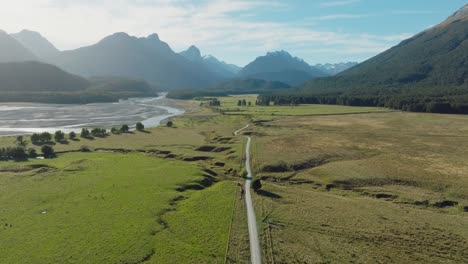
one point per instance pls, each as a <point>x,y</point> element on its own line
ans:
<point>20,141</point>
<point>256,185</point>
<point>85,133</point>
<point>140,126</point>
<point>99,132</point>
<point>114,130</point>
<point>32,153</point>
<point>85,149</point>
<point>169,124</point>
<point>45,137</point>
<point>35,138</point>
<point>124,128</point>
<point>59,136</point>
<point>243,173</point>
<point>48,152</point>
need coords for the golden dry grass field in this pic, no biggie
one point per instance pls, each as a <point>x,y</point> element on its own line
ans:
<point>363,188</point>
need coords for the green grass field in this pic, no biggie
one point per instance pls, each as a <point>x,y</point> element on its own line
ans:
<point>340,185</point>
<point>104,207</point>
<point>88,208</point>
<point>230,107</point>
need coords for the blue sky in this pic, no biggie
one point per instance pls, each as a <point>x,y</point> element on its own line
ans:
<point>236,31</point>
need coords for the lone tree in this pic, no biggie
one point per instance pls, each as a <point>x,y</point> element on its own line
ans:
<point>124,128</point>
<point>239,103</point>
<point>169,124</point>
<point>48,152</point>
<point>20,141</point>
<point>85,133</point>
<point>140,126</point>
<point>72,135</point>
<point>59,136</point>
<point>45,137</point>
<point>35,138</point>
<point>256,185</point>
<point>244,103</point>
<point>114,130</point>
<point>249,104</point>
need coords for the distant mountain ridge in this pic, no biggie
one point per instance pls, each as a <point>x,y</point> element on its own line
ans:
<point>426,73</point>
<point>280,66</point>
<point>33,81</point>
<point>13,51</point>
<point>219,67</point>
<point>36,43</point>
<point>149,58</point>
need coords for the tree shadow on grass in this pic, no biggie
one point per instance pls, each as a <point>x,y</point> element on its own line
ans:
<point>268,194</point>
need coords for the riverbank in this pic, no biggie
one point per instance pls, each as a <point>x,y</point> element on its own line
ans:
<point>27,118</point>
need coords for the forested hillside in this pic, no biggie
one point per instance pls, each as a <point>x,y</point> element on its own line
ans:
<point>426,73</point>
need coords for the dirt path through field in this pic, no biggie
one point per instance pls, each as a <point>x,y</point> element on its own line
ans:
<point>255,253</point>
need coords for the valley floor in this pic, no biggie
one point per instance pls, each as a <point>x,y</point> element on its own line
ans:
<point>340,185</point>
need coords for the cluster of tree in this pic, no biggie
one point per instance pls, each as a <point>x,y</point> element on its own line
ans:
<point>209,101</point>
<point>452,100</point>
<point>243,103</point>
<point>13,153</point>
<point>99,132</point>
<point>214,102</point>
<point>95,132</point>
<point>59,136</point>
<point>44,137</point>
<point>19,153</point>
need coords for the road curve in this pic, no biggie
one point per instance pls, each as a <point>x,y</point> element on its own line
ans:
<point>255,253</point>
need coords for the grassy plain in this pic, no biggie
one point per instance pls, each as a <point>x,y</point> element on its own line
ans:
<point>341,185</point>
<point>94,207</point>
<point>361,188</point>
<point>158,196</point>
<point>229,107</point>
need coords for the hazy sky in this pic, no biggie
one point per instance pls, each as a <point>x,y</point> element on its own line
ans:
<point>236,31</point>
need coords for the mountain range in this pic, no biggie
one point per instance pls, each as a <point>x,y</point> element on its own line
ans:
<point>280,66</point>
<point>36,43</point>
<point>123,56</point>
<point>11,50</point>
<point>218,67</point>
<point>426,73</point>
<point>149,58</point>
<point>434,58</point>
<point>33,81</point>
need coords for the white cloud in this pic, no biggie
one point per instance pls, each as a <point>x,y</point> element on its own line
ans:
<point>340,16</point>
<point>223,28</point>
<point>339,3</point>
